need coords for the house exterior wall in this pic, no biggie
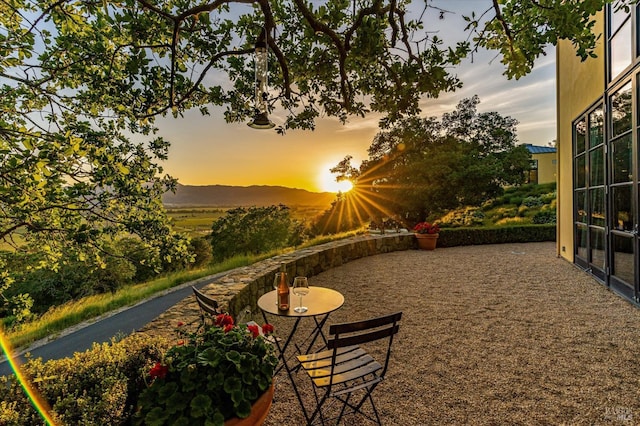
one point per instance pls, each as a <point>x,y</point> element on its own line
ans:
<point>578,85</point>
<point>546,167</point>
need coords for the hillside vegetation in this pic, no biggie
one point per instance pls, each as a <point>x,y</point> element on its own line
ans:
<point>526,204</point>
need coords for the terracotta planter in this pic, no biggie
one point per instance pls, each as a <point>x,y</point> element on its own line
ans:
<point>427,241</point>
<point>259,411</point>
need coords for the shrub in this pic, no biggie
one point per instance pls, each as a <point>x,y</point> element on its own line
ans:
<point>142,257</point>
<point>510,221</point>
<point>201,249</point>
<point>496,235</point>
<point>545,216</point>
<point>468,216</point>
<point>250,231</point>
<point>97,387</point>
<point>532,202</point>
<point>338,218</point>
<point>516,201</point>
<point>522,210</point>
<point>548,197</point>
<point>505,212</point>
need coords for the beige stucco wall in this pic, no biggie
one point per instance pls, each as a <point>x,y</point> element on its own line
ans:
<point>546,167</point>
<point>578,84</point>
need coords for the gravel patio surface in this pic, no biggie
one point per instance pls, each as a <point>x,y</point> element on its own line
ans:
<point>504,334</point>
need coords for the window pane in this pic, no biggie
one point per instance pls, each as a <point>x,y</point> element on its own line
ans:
<point>618,14</point>
<point>581,241</point>
<point>581,166</point>
<point>621,49</point>
<point>596,128</point>
<point>596,167</point>
<point>596,206</point>
<point>621,110</point>
<point>580,135</point>
<point>621,161</point>
<point>581,206</point>
<point>623,258</point>
<point>622,208</point>
<point>597,247</point>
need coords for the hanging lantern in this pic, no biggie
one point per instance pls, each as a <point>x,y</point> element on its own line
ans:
<point>261,60</point>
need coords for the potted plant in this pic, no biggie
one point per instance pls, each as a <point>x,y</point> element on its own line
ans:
<point>211,377</point>
<point>427,235</point>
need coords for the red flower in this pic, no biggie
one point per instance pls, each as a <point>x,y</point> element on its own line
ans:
<point>227,328</point>
<point>426,228</point>
<point>180,342</point>
<point>254,329</point>
<point>180,324</point>
<point>267,328</point>
<point>158,370</point>
<point>223,320</point>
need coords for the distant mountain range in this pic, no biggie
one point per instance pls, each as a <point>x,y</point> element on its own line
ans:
<point>245,196</point>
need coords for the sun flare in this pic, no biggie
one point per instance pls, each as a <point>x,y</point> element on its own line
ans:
<point>327,182</point>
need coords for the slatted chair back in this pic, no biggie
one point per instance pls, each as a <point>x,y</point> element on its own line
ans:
<point>346,367</point>
<point>360,332</point>
<point>208,306</point>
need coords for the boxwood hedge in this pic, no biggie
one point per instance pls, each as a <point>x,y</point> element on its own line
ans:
<point>452,237</point>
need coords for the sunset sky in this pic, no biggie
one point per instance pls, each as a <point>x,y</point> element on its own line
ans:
<point>206,150</point>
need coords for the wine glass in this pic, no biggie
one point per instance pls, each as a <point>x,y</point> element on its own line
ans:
<point>300,288</point>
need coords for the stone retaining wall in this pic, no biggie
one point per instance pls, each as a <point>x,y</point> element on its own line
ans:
<point>239,290</point>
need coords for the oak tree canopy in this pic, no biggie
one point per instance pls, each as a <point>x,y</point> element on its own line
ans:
<point>82,82</point>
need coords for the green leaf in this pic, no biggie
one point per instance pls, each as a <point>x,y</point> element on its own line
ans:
<point>216,420</point>
<point>232,384</point>
<point>243,408</point>
<point>200,404</point>
<point>156,417</point>
<point>210,357</point>
<point>167,390</point>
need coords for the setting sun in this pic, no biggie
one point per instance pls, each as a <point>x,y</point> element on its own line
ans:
<point>327,182</point>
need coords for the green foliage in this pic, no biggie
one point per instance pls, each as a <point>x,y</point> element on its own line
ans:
<point>71,280</point>
<point>96,387</point>
<point>337,218</point>
<point>201,250</point>
<point>422,167</point>
<point>467,216</point>
<point>521,205</point>
<point>216,374</point>
<point>146,262</point>
<point>496,235</point>
<point>72,313</point>
<point>252,230</point>
<point>83,83</point>
<point>545,216</point>
<point>532,202</point>
<point>521,29</point>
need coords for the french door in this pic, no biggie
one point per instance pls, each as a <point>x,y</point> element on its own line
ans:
<point>623,193</point>
<point>606,191</point>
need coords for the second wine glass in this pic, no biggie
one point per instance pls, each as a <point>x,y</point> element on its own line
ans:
<point>300,288</point>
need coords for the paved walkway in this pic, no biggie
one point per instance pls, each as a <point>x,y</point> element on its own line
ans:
<point>113,324</point>
<point>491,335</point>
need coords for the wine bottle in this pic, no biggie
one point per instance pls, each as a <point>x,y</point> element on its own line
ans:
<point>283,290</point>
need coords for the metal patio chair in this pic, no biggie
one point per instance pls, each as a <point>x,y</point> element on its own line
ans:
<point>208,306</point>
<point>346,367</point>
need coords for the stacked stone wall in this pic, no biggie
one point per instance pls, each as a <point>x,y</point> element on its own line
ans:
<point>238,291</point>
